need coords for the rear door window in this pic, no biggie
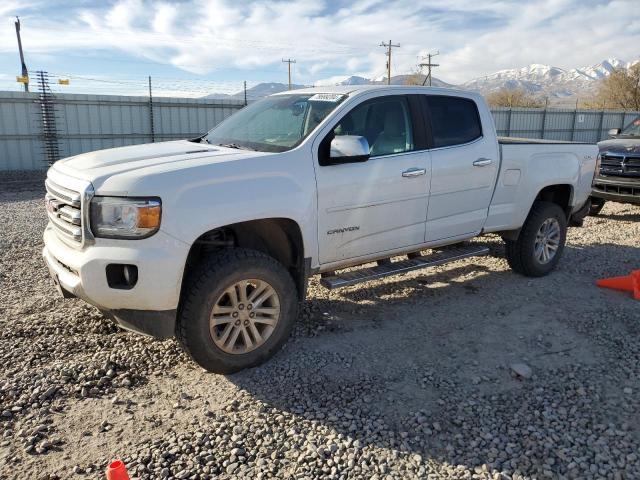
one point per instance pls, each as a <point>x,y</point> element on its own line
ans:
<point>454,120</point>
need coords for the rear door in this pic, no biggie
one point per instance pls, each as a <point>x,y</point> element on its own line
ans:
<point>464,167</point>
<point>379,205</point>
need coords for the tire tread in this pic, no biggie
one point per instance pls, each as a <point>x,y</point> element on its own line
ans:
<point>196,289</point>
<point>518,251</point>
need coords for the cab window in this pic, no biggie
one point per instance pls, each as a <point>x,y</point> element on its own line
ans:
<point>385,123</point>
<point>454,120</point>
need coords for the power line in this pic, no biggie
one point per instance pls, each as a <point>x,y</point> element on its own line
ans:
<point>167,84</point>
<point>389,46</point>
<point>141,80</point>
<point>289,62</point>
<point>429,65</point>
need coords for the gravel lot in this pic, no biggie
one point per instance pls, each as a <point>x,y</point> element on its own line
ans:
<point>407,377</point>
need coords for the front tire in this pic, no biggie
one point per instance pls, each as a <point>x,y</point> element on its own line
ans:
<point>238,310</point>
<point>539,246</point>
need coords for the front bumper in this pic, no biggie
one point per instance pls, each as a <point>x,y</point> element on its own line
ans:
<point>82,273</point>
<point>624,190</point>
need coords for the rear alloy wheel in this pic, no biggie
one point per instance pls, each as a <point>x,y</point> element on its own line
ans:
<point>540,243</point>
<point>547,240</point>
<point>238,309</point>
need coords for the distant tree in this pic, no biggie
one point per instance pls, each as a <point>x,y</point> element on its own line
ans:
<point>513,97</point>
<point>416,78</point>
<point>620,90</point>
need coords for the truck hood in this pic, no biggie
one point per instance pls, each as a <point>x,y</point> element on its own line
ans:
<point>620,145</point>
<point>146,159</point>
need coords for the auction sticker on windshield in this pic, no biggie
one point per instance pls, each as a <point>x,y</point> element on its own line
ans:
<point>326,97</point>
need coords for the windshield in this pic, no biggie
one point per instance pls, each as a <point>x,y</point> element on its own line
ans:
<point>633,129</point>
<point>274,124</point>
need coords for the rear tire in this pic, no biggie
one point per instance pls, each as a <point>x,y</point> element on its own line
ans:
<point>596,206</point>
<point>539,246</point>
<point>238,310</point>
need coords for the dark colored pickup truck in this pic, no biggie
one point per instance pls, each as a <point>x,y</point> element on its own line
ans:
<point>619,176</point>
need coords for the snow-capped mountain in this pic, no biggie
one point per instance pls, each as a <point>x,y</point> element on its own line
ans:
<point>560,86</point>
<point>548,81</point>
<point>405,79</point>
<point>354,80</point>
<point>603,69</point>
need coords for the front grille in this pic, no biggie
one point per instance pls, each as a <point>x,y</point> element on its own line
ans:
<point>64,208</point>
<point>620,165</point>
<point>618,189</point>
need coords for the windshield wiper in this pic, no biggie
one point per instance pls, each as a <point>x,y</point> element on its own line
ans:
<point>236,146</point>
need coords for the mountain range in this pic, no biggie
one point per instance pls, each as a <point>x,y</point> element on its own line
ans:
<point>560,86</point>
<point>556,84</point>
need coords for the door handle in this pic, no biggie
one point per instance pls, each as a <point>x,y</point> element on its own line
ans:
<point>482,162</point>
<point>414,172</point>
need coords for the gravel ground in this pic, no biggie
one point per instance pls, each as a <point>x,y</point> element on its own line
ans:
<point>407,377</point>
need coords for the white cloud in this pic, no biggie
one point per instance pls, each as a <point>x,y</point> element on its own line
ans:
<point>474,38</point>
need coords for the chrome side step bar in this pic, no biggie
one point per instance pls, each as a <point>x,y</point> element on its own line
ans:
<point>439,257</point>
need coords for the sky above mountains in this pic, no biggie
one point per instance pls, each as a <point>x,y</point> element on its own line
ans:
<point>224,42</point>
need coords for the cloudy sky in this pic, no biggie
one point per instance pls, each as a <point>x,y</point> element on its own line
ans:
<point>192,44</point>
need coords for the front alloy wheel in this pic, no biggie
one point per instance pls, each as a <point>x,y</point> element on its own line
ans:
<point>238,309</point>
<point>244,316</point>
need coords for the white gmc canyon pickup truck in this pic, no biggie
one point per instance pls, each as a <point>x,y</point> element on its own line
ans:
<point>213,239</point>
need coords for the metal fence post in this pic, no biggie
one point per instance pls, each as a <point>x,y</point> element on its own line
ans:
<point>153,133</point>
<point>599,135</point>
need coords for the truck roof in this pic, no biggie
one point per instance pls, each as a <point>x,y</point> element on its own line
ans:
<point>350,89</point>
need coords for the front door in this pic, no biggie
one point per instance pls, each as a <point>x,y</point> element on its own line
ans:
<point>381,204</point>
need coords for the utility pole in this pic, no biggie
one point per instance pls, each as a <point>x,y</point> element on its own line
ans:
<point>429,65</point>
<point>25,72</point>
<point>245,93</point>
<point>289,61</point>
<point>389,46</point>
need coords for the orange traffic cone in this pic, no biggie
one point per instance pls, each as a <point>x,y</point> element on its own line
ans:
<point>117,471</point>
<point>629,283</point>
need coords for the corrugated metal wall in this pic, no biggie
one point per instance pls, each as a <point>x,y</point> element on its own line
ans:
<point>20,144</point>
<point>93,122</point>
<point>560,124</point>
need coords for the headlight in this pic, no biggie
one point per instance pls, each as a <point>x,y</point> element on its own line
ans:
<point>120,217</point>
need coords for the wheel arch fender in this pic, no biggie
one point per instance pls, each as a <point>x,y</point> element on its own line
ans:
<point>281,238</point>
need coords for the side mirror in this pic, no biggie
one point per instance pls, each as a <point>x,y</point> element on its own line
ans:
<point>614,131</point>
<point>349,148</point>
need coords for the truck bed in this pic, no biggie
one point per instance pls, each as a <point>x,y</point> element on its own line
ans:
<point>518,141</point>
